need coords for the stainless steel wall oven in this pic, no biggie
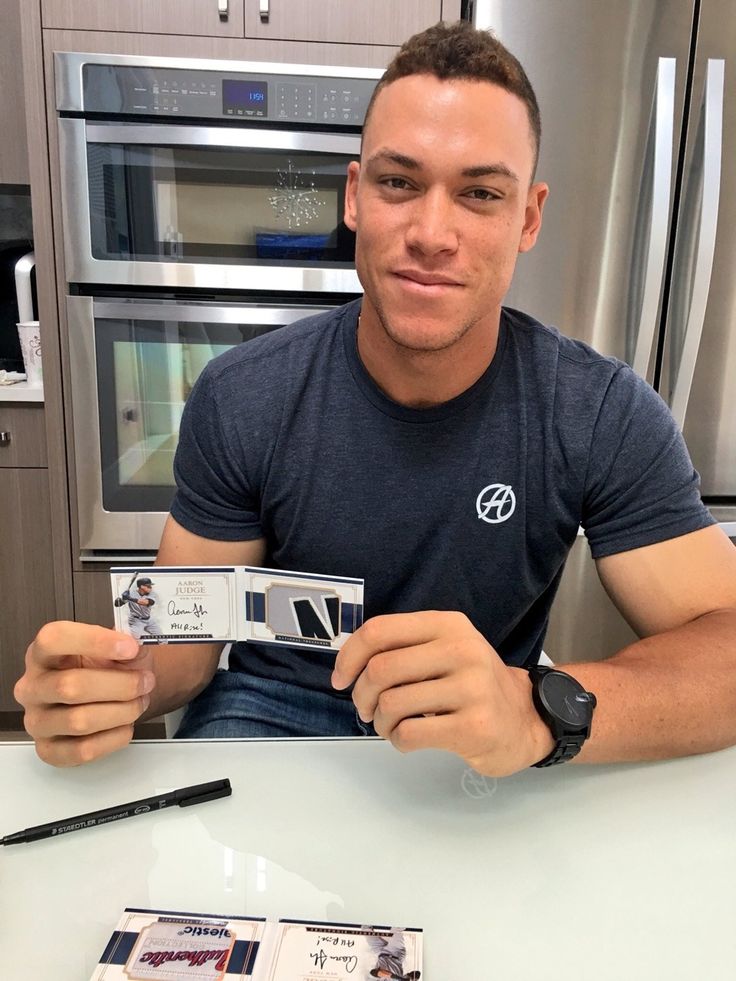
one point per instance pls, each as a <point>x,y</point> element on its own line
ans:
<point>202,204</point>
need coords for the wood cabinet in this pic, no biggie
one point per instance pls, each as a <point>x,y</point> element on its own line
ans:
<point>93,597</point>
<point>22,435</point>
<point>377,22</point>
<point>384,22</point>
<point>13,145</point>
<point>208,18</point>
<point>27,593</point>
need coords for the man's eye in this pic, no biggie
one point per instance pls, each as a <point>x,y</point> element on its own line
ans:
<point>483,194</point>
<point>398,183</point>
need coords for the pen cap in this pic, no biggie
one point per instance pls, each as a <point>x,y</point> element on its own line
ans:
<point>205,791</point>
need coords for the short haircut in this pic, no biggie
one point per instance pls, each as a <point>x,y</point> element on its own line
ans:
<point>461,51</point>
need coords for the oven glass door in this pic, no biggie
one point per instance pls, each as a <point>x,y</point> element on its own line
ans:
<point>133,365</point>
<point>166,204</point>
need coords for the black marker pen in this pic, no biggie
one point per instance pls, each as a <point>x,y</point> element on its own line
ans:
<point>181,798</point>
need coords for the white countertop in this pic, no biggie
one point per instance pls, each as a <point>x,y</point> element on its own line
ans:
<point>21,392</point>
<point>609,872</point>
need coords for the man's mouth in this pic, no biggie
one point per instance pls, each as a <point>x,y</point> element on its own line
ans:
<point>426,283</point>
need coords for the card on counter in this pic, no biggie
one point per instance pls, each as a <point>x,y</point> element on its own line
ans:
<point>176,946</point>
<point>165,605</point>
<point>306,951</point>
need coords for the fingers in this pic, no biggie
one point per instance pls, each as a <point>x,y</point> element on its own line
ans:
<point>435,714</point>
<point>76,750</point>
<point>424,732</point>
<point>68,644</point>
<point>427,698</point>
<point>387,633</point>
<point>84,720</point>
<point>79,686</point>
<point>75,686</point>
<point>83,688</point>
<point>395,675</point>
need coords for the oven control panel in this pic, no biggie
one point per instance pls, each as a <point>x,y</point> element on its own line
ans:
<point>147,91</point>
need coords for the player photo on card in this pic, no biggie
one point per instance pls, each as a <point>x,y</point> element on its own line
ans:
<point>166,605</point>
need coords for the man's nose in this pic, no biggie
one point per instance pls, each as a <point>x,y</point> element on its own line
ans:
<point>431,229</point>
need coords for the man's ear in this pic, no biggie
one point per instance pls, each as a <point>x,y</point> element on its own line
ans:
<point>533,216</point>
<point>351,196</point>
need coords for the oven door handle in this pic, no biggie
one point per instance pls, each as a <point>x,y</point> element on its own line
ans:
<point>214,137</point>
<point>164,311</point>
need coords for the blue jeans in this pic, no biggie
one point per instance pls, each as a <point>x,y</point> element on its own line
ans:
<point>240,706</point>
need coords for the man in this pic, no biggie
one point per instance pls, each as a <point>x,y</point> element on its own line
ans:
<point>140,600</point>
<point>446,450</point>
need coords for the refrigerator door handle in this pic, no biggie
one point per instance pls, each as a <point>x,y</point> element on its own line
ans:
<point>712,115</point>
<point>663,121</point>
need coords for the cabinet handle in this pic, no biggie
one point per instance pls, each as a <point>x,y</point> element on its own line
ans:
<point>222,10</point>
<point>263,10</point>
<point>4,438</point>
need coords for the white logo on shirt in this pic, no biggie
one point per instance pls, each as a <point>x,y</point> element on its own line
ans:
<point>495,503</point>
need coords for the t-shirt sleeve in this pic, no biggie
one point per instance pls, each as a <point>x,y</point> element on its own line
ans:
<point>641,487</point>
<point>213,497</point>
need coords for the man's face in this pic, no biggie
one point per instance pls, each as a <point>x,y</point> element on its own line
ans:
<point>145,590</point>
<point>442,205</point>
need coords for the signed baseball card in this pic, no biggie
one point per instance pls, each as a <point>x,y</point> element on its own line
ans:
<point>168,605</point>
<point>338,952</point>
<point>175,605</point>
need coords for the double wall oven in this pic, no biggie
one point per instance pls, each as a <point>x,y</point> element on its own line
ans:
<point>202,205</point>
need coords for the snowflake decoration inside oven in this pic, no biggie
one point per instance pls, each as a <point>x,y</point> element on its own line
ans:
<point>295,197</point>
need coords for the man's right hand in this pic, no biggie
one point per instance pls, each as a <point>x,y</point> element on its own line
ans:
<point>84,686</point>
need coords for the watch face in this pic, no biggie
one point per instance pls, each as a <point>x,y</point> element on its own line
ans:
<point>566,699</point>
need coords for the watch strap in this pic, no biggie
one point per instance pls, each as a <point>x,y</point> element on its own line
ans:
<point>565,749</point>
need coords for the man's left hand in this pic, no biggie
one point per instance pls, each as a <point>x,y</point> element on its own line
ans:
<point>430,680</point>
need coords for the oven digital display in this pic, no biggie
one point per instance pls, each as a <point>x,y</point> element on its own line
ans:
<point>241,97</point>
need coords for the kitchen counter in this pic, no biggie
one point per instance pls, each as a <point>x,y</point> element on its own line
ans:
<point>21,392</point>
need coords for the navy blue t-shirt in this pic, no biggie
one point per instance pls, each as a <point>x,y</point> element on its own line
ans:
<point>471,505</point>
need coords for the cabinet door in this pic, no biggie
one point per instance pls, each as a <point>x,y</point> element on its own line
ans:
<point>26,571</point>
<point>93,597</point>
<point>13,147</point>
<point>201,17</point>
<point>22,436</point>
<point>377,22</point>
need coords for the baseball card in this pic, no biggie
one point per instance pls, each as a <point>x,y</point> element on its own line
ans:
<point>167,605</point>
<point>177,946</point>
<point>176,605</point>
<point>305,951</point>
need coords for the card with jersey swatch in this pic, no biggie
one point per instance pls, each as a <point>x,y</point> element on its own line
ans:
<point>169,605</point>
<point>175,946</point>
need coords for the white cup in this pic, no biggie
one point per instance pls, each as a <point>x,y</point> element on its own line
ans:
<point>30,345</point>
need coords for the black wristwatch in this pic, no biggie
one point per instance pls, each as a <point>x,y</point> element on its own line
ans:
<point>566,707</point>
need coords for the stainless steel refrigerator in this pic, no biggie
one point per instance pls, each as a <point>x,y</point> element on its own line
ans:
<point>637,254</point>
